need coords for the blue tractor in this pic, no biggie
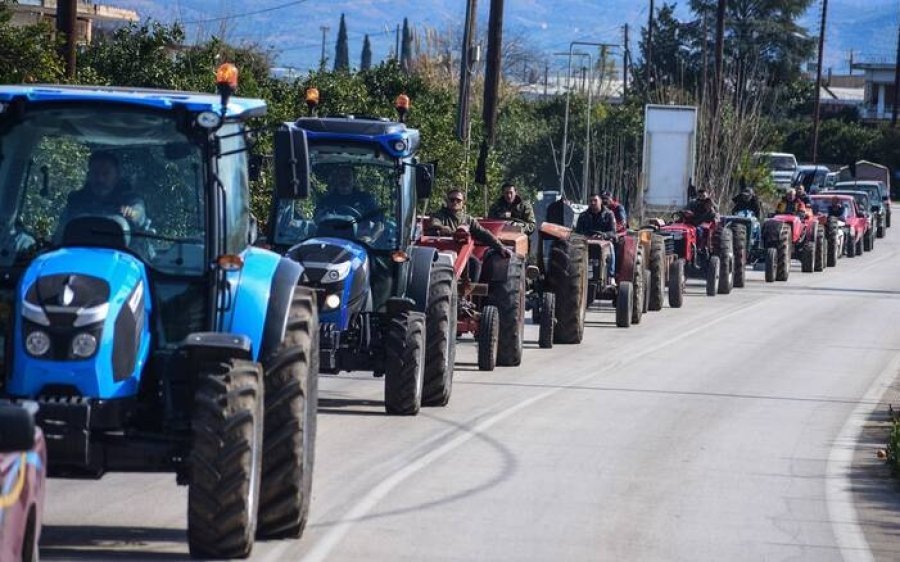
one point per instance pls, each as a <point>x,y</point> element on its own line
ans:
<point>385,304</point>
<point>135,310</point>
<point>748,246</point>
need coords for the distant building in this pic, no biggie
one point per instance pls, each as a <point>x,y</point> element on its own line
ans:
<point>27,12</point>
<point>879,90</point>
<point>608,90</point>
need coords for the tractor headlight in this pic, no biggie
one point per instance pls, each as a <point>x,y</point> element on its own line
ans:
<point>336,272</point>
<point>332,301</point>
<point>84,345</point>
<point>37,343</point>
<point>399,145</point>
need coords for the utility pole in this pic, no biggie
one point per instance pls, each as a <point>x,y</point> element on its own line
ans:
<point>815,154</point>
<point>325,30</point>
<point>896,82</point>
<point>851,62</point>
<point>704,76</point>
<point>546,78</point>
<point>465,74</point>
<point>397,39</point>
<point>625,56</point>
<point>720,53</point>
<point>491,89</point>
<point>67,24</point>
<point>649,61</point>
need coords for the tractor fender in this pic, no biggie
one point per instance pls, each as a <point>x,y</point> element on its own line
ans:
<point>421,260</point>
<point>251,289</point>
<point>281,294</point>
<point>626,251</point>
<point>771,232</point>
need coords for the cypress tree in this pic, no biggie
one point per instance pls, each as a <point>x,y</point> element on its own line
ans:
<point>366,62</point>
<point>406,47</point>
<point>342,49</point>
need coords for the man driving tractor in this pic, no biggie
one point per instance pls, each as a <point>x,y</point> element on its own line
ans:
<point>790,204</point>
<point>105,192</point>
<point>512,207</point>
<point>600,222</point>
<point>746,200</point>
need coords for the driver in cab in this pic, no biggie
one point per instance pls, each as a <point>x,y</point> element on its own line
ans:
<point>342,192</point>
<point>106,193</point>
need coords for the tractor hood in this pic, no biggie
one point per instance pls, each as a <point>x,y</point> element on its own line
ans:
<point>339,270</point>
<point>83,315</point>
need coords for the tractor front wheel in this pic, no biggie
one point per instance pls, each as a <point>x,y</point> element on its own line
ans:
<point>726,261</point>
<point>676,283</point>
<point>404,372</point>
<point>440,338</point>
<point>488,333</point>
<point>569,278</point>
<point>740,255</point>
<point>624,304</point>
<point>808,257</point>
<point>869,241</point>
<point>548,319</point>
<point>291,383</point>
<point>712,275</point>
<point>771,264</point>
<point>819,264</point>
<point>783,271</point>
<point>637,306</point>
<point>225,462</point>
<point>657,275</point>
<point>510,300</point>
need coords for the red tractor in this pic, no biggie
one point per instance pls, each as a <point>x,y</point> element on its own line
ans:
<point>630,290</point>
<point>796,236</point>
<point>491,289</point>
<point>705,251</point>
<point>662,269</point>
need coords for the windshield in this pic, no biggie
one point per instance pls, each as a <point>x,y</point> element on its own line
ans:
<point>822,206</point>
<point>131,166</point>
<point>782,163</point>
<point>354,195</point>
<point>872,189</point>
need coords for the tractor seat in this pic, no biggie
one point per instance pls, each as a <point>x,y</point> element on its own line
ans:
<point>97,231</point>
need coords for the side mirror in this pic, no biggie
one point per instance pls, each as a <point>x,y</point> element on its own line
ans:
<point>291,163</point>
<point>253,231</point>
<point>424,180</point>
<point>255,166</point>
<point>16,429</point>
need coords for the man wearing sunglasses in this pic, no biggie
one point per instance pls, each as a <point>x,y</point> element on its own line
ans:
<point>453,216</point>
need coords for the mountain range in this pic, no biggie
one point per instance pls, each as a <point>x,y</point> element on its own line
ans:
<point>868,28</point>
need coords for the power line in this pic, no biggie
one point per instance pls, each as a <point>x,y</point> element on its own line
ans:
<point>253,13</point>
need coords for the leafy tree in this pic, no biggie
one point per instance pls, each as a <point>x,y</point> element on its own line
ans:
<point>342,49</point>
<point>406,47</point>
<point>672,61</point>
<point>27,53</point>
<point>366,62</point>
<point>140,55</point>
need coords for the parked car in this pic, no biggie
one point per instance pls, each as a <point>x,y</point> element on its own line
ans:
<point>23,458</point>
<point>854,227</point>
<point>783,167</point>
<point>863,209</point>
<point>878,198</point>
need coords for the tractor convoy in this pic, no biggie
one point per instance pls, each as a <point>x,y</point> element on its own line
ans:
<point>157,330</point>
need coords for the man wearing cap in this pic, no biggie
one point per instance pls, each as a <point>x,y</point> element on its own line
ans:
<point>618,210</point>
<point>512,207</point>
<point>746,200</point>
<point>701,210</point>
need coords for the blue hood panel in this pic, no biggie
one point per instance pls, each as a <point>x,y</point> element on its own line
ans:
<point>335,266</point>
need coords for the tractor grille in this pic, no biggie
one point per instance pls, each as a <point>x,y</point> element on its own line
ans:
<point>670,245</point>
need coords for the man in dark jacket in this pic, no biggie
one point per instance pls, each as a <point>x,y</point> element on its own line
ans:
<point>511,207</point>
<point>105,193</point>
<point>746,200</point>
<point>599,222</point>
<point>452,216</point>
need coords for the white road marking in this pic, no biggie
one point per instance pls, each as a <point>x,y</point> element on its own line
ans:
<point>323,548</point>
<point>848,534</point>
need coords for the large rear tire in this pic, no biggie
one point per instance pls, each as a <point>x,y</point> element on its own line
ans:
<point>440,337</point>
<point>637,307</point>
<point>404,371</point>
<point>783,271</point>
<point>712,275</point>
<point>832,251</point>
<point>676,283</point>
<point>740,254</point>
<point>510,300</point>
<point>624,304</point>
<point>225,461</point>
<point>568,279</point>
<point>819,264</point>
<point>488,333</point>
<point>657,273</point>
<point>548,320</point>
<point>291,383</point>
<point>808,257</point>
<point>771,264</point>
<point>726,261</point>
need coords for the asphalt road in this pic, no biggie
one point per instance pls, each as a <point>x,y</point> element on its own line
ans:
<point>720,431</point>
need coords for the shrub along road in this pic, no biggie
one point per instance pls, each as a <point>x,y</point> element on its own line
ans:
<point>718,431</point>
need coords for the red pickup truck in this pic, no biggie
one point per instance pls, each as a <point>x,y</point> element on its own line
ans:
<point>855,224</point>
<point>23,461</point>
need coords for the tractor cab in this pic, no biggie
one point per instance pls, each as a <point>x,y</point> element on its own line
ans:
<point>135,309</point>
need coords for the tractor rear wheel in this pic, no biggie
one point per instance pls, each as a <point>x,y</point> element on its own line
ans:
<point>488,333</point>
<point>831,243</point>
<point>624,304</point>
<point>726,261</point>
<point>225,461</point>
<point>637,306</point>
<point>646,299</point>
<point>869,241</point>
<point>548,319</point>
<point>771,264</point>
<point>783,269</point>
<point>440,337</point>
<point>510,300</point>
<point>819,263</point>
<point>740,254</point>
<point>712,275</point>
<point>568,276</point>
<point>676,283</point>
<point>291,389</point>
<point>808,257</point>
<point>657,275</point>
<point>404,371</point>
<point>880,232</point>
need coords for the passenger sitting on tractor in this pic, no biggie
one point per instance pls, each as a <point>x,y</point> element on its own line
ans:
<point>105,192</point>
<point>600,222</point>
<point>618,210</point>
<point>452,216</point>
<point>803,195</point>
<point>837,209</point>
<point>791,205</point>
<point>512,207</point>
<point>746,200</point>
<point>342,192</point>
